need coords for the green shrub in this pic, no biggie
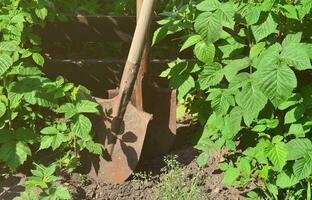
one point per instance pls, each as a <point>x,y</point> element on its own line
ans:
<point>249,87</point>
<point>37,113</point>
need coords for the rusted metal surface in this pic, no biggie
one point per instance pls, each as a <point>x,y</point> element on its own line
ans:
<point>117,166</point>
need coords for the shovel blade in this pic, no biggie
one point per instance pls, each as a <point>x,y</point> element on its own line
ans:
<point>161,131</point>
<point>118,166</point>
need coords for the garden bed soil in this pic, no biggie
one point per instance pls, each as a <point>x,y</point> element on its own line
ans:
<point>209,178</point>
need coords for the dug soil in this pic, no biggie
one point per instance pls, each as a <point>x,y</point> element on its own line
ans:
<point>209,178</point>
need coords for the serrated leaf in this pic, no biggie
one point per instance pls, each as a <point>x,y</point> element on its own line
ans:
<point>190,41</point>
<point>293,100</point>
<point>208,5</point>
<point>81,126</point>
<point>234,66</point>
<point>277,154</point>
<point>252,101</point>
<point>276,82</point>
<point>253,14</point>
<point>204,52</point>
<point>2,109</point>
<point>9,46</point>
<point>38,59</point>
<point>297,148</point>
<point>294,114</point>
<point>208,26</point>
<point>303,167</point>
<point>289,11</point>
<point>268,57</point>
<point>94,148</point>
<point>14,154</point>
<point>221,101</point>
<point>68,108</point>
<point>184,83</point>
<point>267,5</point>
<point>297,130</point>
<point>292,39</point>
<point>285,181</point>
<point>265,29</point>
<point>86,106</point>
<point>41,12</point>
<point>5,63</point>
<point>296,55</point>
<point>56,193</point>
<point>232,123</point>
<point>210,76</point>
<point>230,176</point>
<point>53,141</point>
<point>256,49</point>
<point>226,12</point>
<point>202,159</point>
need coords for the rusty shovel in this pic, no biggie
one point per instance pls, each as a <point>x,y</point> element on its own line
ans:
<point>122,128</point>
<point>160,102</point>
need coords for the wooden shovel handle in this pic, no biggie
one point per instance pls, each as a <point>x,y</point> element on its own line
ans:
<point>137,96</point>
<point>134,57</point>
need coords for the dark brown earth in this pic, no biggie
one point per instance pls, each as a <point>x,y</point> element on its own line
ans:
<point>209,178</point>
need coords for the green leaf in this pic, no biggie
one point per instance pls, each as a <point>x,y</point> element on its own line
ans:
<point>86,106</point>
<point>256,49</point>
<point>296,55</point>
<point>2,109</point>
<point>94,148</point>
<point>38,59</point>
<point>202,159</point>
<point>208,5</point>
<point>276,82</point>
<point>41,12</point>
<point>268,57</point>
<point>57,193</point>
<point>297,148</point>
<point>303,167</point>
<point>277,154</point>
<point>68,108</point>
<point>234,66</point>
<point>285,181</point>
<point>291,39</point>
<point>204,52</point>
<point>5,63</point>
<point>221,101</point>
<point>10,46</point>
<point>289,11</point>
<point>230,176</point>
<point>293,100</point>
<point>226,12</point>
<point>252,101</point>
<point>14,154</point>
<point>232,123</point>
<point>190,41</point>
<point>267,5</point>
<point>297,130</point>
<point>27,195</point>
<point>53,138</point>
<point>294,114</point>
<point>265,29</point>
<point>210,76</point>
<point>81,126</point>
<point>253,14</point>
<point>184,83</point>
<point>208,26</point>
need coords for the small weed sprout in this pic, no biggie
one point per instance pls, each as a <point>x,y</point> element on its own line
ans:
<point>174,183</point>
